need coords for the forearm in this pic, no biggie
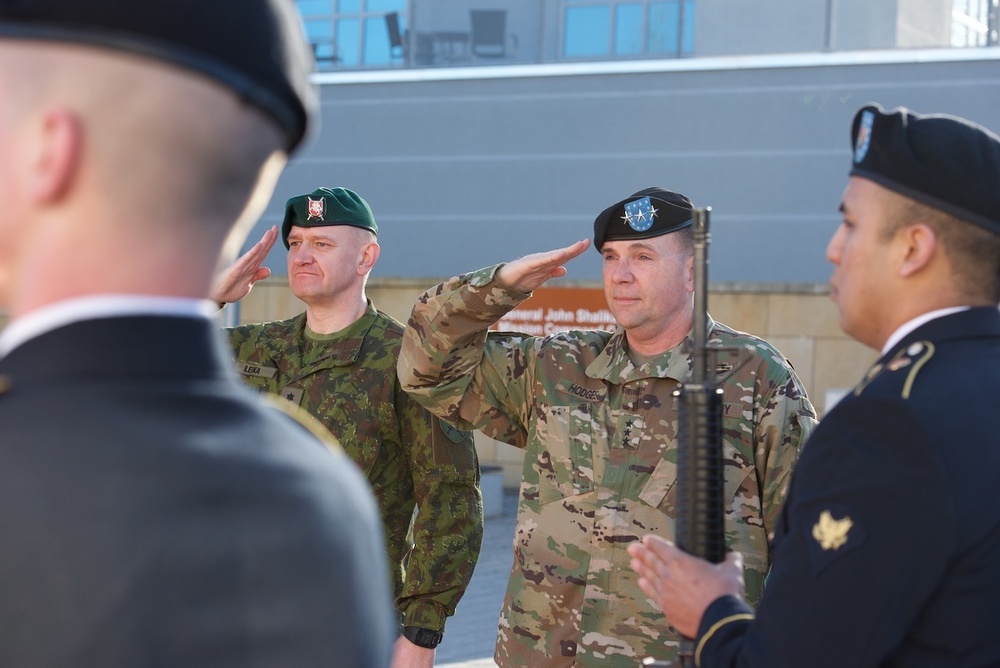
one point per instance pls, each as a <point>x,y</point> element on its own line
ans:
<point>444,339</point>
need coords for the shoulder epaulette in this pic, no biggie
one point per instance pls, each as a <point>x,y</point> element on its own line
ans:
<point>305,419</point>
<point>913,358</point>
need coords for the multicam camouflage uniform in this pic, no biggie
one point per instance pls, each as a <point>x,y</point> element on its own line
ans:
<point>348,381</point>
<point>600,463</point>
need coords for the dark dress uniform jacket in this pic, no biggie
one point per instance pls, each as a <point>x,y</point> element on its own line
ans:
<point>888,551</point>
<point>155,513</point>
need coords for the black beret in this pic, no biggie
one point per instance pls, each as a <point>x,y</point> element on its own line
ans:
<point>645,214</point>
<point>945,162</point>
<point>257,48</point>
<point>324,207</point>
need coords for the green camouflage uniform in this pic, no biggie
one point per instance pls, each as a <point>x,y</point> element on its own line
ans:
<point>348,381</point>
<point>600,461</point>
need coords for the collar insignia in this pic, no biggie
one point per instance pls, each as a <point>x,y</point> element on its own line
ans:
<point>639,214</point>
<point>830,533</point>
<point>898,363</point>
<point>317,207</point>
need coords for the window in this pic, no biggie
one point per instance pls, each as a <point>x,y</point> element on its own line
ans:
<point>350,33</point>
<point>974,23</point>
<point>628,28</point>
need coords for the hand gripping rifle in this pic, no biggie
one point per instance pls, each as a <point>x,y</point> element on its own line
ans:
<point>700,489</point>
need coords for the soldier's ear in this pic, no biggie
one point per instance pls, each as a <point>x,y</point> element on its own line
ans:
<point>55,155</point>
<point>369,256</point>
<point>918,245</point>
<point>689,273</point>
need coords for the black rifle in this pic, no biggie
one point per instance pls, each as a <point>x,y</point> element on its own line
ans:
<point>700,489</point>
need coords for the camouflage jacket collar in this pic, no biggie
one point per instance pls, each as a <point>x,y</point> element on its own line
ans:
<point>614,365</point>
<point>297,354</point>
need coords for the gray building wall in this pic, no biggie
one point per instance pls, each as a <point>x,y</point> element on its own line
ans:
<point>465,167</point>
<point>724,27</point>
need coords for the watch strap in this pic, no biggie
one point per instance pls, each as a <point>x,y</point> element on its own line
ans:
<point>422,637</point>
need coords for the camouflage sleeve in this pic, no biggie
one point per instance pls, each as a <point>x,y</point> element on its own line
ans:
<point>785,417</point>
<point>456,369</point>
<point>448,527</point>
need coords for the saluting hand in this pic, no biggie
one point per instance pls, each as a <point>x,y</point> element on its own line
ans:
<point>683,586</point>
<point>531,271</point>
<point>235,282</point>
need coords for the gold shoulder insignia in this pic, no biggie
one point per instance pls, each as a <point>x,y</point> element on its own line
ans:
<point>914,356</point>
<point>926,350</point>
<point>871,374</point>
<point>304,418</point>
<point>830,533</point>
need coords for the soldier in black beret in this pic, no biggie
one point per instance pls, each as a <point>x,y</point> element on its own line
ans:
<point>887,548</point>
<point>155,512</point>
<point>594,413</point>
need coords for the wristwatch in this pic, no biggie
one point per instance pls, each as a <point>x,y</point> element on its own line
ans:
<point>422,637</point>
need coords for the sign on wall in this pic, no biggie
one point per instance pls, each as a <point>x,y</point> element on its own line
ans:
<point>551,310</point>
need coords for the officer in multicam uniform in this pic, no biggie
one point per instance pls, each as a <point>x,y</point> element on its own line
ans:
<point>338,361</point>
<point>596,416</point>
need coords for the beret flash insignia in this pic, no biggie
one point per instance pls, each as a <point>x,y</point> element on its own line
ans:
<point>317,207</point>
<point>639,214</point>
<point>864,135</point>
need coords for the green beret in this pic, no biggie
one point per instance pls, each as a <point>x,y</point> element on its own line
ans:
<point>324,207</point>
<point>645,214</point>
<point>945,162</point>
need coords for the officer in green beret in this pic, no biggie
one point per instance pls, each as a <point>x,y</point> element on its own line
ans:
<point>595,414</point>
<point>338,361</point>
<point>887,549</point>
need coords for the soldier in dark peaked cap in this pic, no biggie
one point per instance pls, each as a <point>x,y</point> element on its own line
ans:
<point>153,511</point>
<point>887,551</point>
<point>593,412</point>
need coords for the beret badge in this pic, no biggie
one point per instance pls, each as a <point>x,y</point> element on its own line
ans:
<point>639,214</point>
<point>316,207</point>
<point>864,135</point>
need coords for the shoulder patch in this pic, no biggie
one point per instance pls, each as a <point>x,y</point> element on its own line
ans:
<point>454,434</point>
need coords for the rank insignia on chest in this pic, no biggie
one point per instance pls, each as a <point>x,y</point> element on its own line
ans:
<point>316,208</point>
<point>291,394</point>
